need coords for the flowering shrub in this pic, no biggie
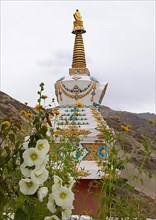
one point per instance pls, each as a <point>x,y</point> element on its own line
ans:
<point>44,167</point>
<point>37,174</point>
<point>60,201</point>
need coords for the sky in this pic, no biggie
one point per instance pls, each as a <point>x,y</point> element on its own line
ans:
<point>37,46</point>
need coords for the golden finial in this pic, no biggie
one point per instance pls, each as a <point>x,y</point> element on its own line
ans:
<point>79,61</point>
<point>77,15</point>
<point>78,23</point>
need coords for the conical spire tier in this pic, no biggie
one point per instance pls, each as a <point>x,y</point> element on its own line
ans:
<point>79,60</point>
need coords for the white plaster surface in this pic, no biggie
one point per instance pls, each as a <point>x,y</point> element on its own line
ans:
<point>92,168</point>
<point>89,138</point>
<point>83,82</point>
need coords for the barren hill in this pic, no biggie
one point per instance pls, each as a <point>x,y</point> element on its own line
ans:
<point>10,106</point>
<point>140,130</point>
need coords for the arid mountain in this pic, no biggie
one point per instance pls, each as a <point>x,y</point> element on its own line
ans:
<point>134,139</point>
<point>140,131</point>
<point>147,115</point>
<point>10,106</point>
<point>140,135</point>
<point>139,123</point>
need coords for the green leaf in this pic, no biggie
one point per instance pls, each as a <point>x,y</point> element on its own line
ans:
<point>12,137</point>
<point>20,214</point>
<point>150,175</point>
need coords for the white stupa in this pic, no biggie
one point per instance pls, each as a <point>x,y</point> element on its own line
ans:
<point>79,96</point>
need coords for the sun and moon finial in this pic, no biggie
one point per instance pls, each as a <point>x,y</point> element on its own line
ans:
<point>77,15</point>
<point>79,61</point>
<point>78,23</point>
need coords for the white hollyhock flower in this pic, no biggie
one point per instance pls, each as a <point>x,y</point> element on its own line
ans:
<point>53,217</point>
<point>32,157</point>
<point>39,176</point>
<point>28,187</point>
<point>70,186</point>
<point>24,170</point>
<point>48,133</point>
<point>71,182</point>
<point>63,197</point>
<point>57,183</point>
<point>42,146</point>
<point>57,180</point>
<point>42,193</point>
<point>26,142</point>
<point>66,214</point>
<point>51,204</point>
<point>46,159</point>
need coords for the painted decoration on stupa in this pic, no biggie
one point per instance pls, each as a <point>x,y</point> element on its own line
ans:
<point>79,96</point>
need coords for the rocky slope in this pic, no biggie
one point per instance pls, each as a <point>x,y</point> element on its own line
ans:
<point>140,131</point>
<point>140,127</point>
<point>139,122</point>
<point>11,107</point>
<point>140,135</point>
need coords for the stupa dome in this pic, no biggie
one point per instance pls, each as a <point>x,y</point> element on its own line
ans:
<point>83,88</point>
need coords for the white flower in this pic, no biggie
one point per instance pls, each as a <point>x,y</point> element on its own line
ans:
<point>66,214</point>
<point>48,133</point>
<point>26,142</point>
<point>32,157</point>
<point>46,159</point>
<point>24,170</point>
<point>118,172</point>
<point>47,218</point>
<point>28,187</point>
<point>63,197</point>
<point>51,204</point>
<point>57,180</point>
<point>42,146</point>
<point>39,176</point>
<point>53,217</point>
<point>57,183</point>
<point>71,182</point>
<point>42,193</point>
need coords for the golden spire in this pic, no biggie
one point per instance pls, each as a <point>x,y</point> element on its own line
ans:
<point>79,61</point>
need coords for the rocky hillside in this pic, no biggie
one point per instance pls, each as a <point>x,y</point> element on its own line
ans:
<point>140,134</point>
<point>140,131</point>
<point>10,106</point>
<point>139,123</point>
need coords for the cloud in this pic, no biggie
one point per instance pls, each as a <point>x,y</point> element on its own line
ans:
<point>119,46</point>
<point>58,58</point>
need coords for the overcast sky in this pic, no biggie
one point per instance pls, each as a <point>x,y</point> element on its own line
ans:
<point>37,46</point>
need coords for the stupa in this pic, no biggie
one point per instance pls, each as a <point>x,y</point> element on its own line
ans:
<point>79,96</point>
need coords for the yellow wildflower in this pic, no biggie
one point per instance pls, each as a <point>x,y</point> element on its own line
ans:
<point>124,128</point>
<point>37,107</point>
<point>56,111</point>
<point>117,118</point>
<point>79,104</point>
<point>129,126</point>
<point>57,133</point>
<point>23,112</point>
<point>29,115</point>
<point>151,121</point>
<point>6,123</point>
